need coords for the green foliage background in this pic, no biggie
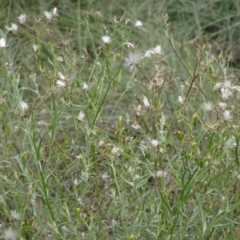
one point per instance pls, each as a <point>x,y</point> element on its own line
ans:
<point>198,200</point>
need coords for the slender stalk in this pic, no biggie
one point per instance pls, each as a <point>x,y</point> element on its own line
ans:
<point>36,149</point>
<point>179,58</point>
<point>195,75</point>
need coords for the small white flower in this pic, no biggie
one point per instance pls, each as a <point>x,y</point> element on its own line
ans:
<point>13,28</point>
<point>79,157</point>
<point>138,24</point>
<point>3,43</point>
<point>60,59</point>
<point>101,143</point>
<point>61,83</point>
<point>34,48</point>
<point>75,181</point>
<point>148,54</point>
<point>105,176</point>
<point>154,142</point>
<point>146,102</point>
<point>10,234</point>
<point>138,110</point>
<point>81,116</point>
<point>116,151</point>
<point>133,58</point>
<point>61,76</point>
<point>23,106</point>
<point>226,93</point>
<point>155,51</point>
<point>54,12</point>
<point>85,87</point>
<point>222,105</point>
<point>16,215</point>
<point>106,39</point>
<point>48,15</point>
<point>207,106</point>
<point>227,115</point>
<point>9,65</point>
<point>180,100</point>
<point>217,86</point>
<point>160,174</point>
<point>22,18</point>
<point>227,84</point>
<point>135,126</point>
